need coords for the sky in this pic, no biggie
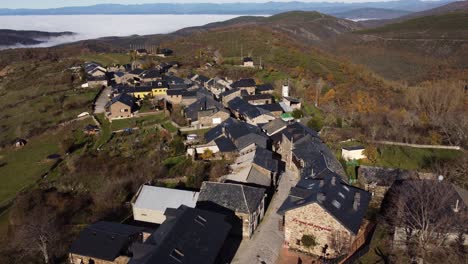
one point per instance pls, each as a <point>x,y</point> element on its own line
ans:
<point>62,3</point>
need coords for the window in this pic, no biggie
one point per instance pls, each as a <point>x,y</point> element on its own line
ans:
<point>177,255</point>
<point>341,195</point>
<point>336,204</point>
<point>200,220</point>
<point>298,242</point>
<point>346,188</point>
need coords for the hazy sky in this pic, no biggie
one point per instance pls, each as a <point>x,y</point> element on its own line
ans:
<point>61,3</point>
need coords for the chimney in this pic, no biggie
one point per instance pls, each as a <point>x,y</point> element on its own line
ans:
<point>457,208</point>
<point>357,201</point>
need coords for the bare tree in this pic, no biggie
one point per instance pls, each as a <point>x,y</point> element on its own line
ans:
<point>38,234</point>
<point>318,90</point>
<point>340,242</point>
<point>428,212</point>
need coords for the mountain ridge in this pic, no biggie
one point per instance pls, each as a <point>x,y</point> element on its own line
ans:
<point>227,8</point>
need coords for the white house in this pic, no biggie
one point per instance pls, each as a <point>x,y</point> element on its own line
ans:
<point>150,203</point>
<point>353,153</point>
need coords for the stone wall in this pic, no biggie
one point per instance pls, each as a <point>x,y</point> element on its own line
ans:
<point>313,220</point>
<point>79,259</point>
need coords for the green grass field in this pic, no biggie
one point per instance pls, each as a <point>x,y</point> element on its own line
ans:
<point>107,58</point>
<point>24,166</point>
<point>137,122</point>
<point>411,158</point>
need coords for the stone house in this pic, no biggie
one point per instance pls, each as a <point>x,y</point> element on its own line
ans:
<point>121,106</point>
<point>188,235</point>
<point>180,97</point>
<point>243,205</point>
<point>293,103</point>
<point>265,89</point>
<point>247,85</point>
<point>259,99</point>
<point>205,113</point>
<point>274,109</point>
<point>98,71</point>
<point>105,243</point>
<point>150,76</point>
<point>97,82</point>
<point>229,95</point>
<point>324,216</point>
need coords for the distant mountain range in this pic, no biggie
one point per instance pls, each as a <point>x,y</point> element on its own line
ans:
<point>374,13</point>
<point>22,37</point>
<point>269,8</point>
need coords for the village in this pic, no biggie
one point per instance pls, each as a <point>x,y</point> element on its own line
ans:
<point>285,199</point>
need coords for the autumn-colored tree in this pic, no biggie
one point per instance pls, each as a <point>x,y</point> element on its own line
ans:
<point>207,154</point>
<point>371,153</point>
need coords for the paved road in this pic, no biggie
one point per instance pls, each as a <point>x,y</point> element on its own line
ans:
<point>266,243</point>
<point>102,101</point>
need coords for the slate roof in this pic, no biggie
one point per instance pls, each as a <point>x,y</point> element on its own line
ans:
<point>347,204</point>
<point>271,107</point>
<point>248,59</point>
<point>159,199</point>
<point>257,97</point>
<point>96,78</point>
<point>292,100</point>
<point>104,240</point>
<point>274,126</point>
<point>234,197</point>
<point>171,79</point>
<point>123,98</point>
<point>133,89</point>
<point>225,145</point>
<point>137,71</point>
<point>188,236</point>
<point>228,92</point>
<point>296,131</point>
<point>249,174</point>
<point>354,148</point>
<point>151,74</point>
<point>182,92</point>
<point>203,104</point>
<point>249,139</point>
<point>203,79</point>
<point>265,87</point>
<point>244,83</point>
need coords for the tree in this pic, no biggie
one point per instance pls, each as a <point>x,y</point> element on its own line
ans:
<point>318,90</point>
<point>423,214</point>
<point>308,241</point>
<point>371,153</point>
<point>207,154</point>
<point>297,114</point>
<point>38,233</point>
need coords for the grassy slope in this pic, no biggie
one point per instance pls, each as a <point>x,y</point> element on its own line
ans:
<point>448,26</point>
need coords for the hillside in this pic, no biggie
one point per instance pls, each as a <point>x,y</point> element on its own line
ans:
<point>452,25</point>
<point>371,13</point>
<point>22,37</point>
<point>459,6</point>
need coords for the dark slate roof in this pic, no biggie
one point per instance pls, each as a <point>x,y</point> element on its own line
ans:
<point>104,240</point>
<point>151,74</point>
<point>271,107</point>
<point>228,92</point>
<point>248,59</point>
<point>124,98</point>
<point>257,97</point>
<point>234,197</point>
<point>132,89</point>
<point>119,74</point>
<point>96,78</point>
<point>292,100</point>
<point>244,83</point>
<point>224,144</point>
<point>296,131</point>
<point>203,79</point>
<point>384,176</point>
<point>171,79</point>
<point>251,138</point>
<point>137,71</point>
<point>188,236</point>
<point>264,158</point>
<point>265,87</point>
<point>178,86</point>
<point>182,92</point>
<point>205,103</point>
<point>159,84</point>
<point>347,204</point>
<point>274,126</point>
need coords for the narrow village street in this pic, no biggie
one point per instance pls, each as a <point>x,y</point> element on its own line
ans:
<point>99,107</point>
<point>265,245</point>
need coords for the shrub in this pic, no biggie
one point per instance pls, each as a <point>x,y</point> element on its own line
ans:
<point>308,241</point>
